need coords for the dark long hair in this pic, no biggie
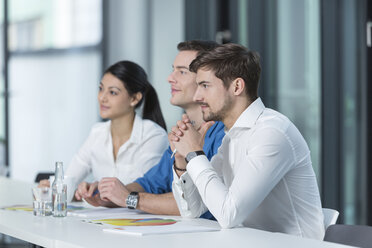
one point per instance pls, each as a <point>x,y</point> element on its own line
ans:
<point>134,79</point>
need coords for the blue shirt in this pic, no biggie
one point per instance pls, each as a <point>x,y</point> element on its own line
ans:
<point>158,180</point>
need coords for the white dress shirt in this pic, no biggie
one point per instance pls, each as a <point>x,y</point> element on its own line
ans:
<point>143,150</point>
<point>261,177</point>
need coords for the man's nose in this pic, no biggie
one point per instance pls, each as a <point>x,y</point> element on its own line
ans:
<point>197,96</point>
<point>171,77</point>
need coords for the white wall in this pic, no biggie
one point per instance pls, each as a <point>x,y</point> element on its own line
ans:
<point>167,28</point>
<point>147,32</point>
<point>52,107</point>
<point>128,32</point>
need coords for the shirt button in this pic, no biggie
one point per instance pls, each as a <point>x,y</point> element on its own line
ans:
<point>184,181</point>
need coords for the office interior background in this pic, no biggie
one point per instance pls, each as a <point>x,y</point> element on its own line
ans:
<point>315,54</point>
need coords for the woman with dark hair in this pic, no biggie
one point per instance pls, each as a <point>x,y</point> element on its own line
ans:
<point>126,146</point>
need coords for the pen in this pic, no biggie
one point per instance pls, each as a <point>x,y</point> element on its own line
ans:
<point>95,192</point>
<point>174,152</point>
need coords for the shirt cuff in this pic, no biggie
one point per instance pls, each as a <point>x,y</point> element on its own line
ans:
<point>179,188</point>
<point>197,165</point>
<point>184,182</point>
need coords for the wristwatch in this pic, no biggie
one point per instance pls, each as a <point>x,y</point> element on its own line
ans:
<point>192,155</point>
<point>132,200</point>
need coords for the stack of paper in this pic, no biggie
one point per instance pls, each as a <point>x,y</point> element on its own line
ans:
<point>104,212</point>
<point>147,226</point>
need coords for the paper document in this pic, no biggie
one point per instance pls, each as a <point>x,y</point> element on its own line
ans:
<point>148,226</point>
<point>18,208</point>
<point>29,208</point>
<point>104,212</point>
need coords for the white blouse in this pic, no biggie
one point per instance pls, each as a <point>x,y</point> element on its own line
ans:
<point>135,157</point>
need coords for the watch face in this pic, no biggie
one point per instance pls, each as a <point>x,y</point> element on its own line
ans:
<point>132,200</point>
<point>192,155</point>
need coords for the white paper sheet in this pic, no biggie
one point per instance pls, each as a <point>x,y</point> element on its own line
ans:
<point>104,212</point>
<point>179,227</point>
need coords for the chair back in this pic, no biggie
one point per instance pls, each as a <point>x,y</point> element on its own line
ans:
<point>330,217</point>
<point>354,235</point>
<point>43,175</point>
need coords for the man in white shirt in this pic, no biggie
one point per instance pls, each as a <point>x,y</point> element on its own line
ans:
<point>262,176</point>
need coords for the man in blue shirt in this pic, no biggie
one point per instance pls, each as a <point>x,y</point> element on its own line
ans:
<point>152,193</point>
<point>158,180</point>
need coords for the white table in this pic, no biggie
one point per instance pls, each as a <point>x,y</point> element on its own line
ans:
<point>72,232</point>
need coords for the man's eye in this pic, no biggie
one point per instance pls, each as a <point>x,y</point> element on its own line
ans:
<point>113,93</point>
<point>205,86</point>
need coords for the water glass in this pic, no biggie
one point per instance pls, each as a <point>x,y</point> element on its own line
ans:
<point>42,203</point>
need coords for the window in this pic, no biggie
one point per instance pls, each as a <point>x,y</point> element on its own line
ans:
<point>313,55</point>
<point>38,24</point>
<point>3,154</point>
<point>298,67</point>
<point>56,45</point>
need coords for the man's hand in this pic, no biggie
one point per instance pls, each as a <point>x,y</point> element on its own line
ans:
<point>95,200</point>
<point>187,139</point>
<point>111,189</point>
<point>173,135</point>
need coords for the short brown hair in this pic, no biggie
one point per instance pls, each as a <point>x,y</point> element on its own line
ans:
<point>231,61</point>
<point>197,45</point>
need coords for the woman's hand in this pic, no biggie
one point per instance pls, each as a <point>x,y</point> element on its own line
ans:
<point>44,184</point>
<point>85,190</point>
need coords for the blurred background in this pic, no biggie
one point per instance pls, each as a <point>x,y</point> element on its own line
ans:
<point>316,59</point>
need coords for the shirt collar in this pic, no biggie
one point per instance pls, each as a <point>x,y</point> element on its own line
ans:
<point>137,131</point>
<point>248,118</point>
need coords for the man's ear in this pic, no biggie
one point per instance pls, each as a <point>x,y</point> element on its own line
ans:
<point>238,86</point>
<point>135,99</point>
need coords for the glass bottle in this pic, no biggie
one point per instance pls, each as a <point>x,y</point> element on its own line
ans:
<point>59,192</point>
